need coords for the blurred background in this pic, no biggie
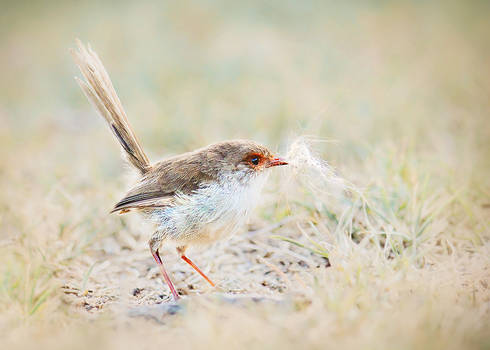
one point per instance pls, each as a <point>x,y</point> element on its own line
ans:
<point>190,73</point>
<point>401,88</point>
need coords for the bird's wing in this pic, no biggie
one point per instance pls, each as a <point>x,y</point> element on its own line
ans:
<point>158,188</point>
<point>144,200</point>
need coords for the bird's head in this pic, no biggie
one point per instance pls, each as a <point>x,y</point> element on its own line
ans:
<point>242,159</point>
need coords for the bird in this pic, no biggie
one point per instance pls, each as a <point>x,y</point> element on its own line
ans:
<point>194,198</point>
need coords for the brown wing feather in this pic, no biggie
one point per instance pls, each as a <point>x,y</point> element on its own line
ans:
<point>144,200</point>
<point>182,174</point>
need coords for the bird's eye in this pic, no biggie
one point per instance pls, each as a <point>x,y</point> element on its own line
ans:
<point>254,160</point>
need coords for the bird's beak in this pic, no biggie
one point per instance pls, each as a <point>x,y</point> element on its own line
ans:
<point>275,162</point>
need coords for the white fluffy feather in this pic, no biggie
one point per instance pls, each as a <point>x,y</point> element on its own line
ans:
<point>214,211</point>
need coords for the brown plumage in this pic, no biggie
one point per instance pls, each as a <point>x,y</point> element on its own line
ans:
<point>194,198</point>
<point>185,173</point>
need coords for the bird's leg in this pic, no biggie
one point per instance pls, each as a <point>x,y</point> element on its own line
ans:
<point>157,258</point>
<point>181,251</point>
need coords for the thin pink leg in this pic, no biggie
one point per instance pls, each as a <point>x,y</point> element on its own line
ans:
<point>157,258</point>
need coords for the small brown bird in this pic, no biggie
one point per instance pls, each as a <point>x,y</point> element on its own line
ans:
<point>194,198</point>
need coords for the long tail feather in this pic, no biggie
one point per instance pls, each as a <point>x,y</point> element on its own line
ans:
<point>100,92</point>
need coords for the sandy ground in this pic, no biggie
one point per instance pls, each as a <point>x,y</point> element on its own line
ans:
<point>121,271</point>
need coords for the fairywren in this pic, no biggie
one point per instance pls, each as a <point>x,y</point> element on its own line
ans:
<point>194,198</point>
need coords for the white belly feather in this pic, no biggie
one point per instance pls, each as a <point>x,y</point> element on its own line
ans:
<point>211,213</point>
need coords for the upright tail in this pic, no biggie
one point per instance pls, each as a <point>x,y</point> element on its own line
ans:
<point>100,92</point>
